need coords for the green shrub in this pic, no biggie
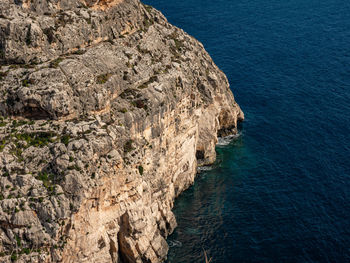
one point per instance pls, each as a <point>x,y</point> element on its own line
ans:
<point>79,52</point>
<point>25,83</point>
<point>26,251</point>
<point>55,63</point>
<point>128,146</point>
<point>2,144</point>
<point>65,139</point>
<point>178,44</point>
<point>19,123</point>
<point>140,170</point>
<point>47,180</point>
<point>103,78</point>
<point>39,139</point>
<point>18,240</point>
<point>14,257</point>
<point>148,7</point>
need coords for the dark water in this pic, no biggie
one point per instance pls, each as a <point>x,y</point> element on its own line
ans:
<point>280,192</point>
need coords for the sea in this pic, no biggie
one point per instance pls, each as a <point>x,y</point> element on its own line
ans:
<point>280,191</point>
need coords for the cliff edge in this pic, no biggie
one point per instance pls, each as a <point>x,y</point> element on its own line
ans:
<point>107,110</point>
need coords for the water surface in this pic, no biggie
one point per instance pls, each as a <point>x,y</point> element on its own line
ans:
<point>280,192</point>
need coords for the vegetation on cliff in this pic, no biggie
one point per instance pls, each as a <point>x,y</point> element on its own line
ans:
<point>104,106</point>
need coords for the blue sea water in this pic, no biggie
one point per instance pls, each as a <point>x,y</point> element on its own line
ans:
<point>280,192</point>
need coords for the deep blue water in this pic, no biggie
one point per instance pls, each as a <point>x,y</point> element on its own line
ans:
<point>281,191</point>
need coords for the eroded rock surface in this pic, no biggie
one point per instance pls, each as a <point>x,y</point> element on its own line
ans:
<point>107,112</point>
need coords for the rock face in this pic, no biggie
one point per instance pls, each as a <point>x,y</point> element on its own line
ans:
<point>107,110</point>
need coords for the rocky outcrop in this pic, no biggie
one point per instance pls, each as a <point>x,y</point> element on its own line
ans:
<point>107,110</point>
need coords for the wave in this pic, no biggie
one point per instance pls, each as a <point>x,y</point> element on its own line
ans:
<point>204,168</point>
<point>223,141</point>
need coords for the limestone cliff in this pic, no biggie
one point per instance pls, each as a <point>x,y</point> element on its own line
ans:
<point>107,110</point>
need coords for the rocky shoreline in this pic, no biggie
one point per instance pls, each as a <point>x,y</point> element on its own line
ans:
<point>107,111</point>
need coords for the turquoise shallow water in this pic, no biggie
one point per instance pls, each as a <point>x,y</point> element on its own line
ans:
<point>280,192</point>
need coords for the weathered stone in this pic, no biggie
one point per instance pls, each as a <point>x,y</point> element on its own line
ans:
<point>107,111</point>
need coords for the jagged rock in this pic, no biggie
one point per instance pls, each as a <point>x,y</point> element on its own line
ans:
<point>107,110</point>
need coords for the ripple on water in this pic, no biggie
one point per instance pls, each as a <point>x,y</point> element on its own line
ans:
<point>280,192</point>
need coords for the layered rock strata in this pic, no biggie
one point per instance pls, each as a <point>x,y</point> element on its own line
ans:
<point>107,110</point>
